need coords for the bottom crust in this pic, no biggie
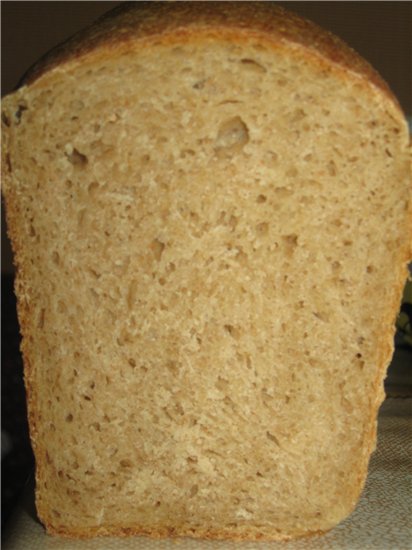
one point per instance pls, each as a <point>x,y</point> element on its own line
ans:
<point>171,532</point>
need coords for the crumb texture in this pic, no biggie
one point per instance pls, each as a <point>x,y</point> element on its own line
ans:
<point>211,239</point>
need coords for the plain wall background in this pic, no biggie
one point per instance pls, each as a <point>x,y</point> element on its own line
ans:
<point>380,31</point>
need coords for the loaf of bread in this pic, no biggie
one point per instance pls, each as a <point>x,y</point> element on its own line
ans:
<point>210,211</point>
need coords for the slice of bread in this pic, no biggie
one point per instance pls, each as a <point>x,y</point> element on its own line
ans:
<point>209,205</point>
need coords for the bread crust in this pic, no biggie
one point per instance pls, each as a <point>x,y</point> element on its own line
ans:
<point>170,532</point>
<point>148,22</point>
<point>173,534</point>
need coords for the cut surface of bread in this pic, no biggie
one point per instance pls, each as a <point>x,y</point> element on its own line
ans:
<point>211,228</point>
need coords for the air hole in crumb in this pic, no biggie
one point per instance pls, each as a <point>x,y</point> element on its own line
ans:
<point>61,306</point>
<point>234,333</point>
<point>282,82</point>
<point>124,338</point>
<point>253,65</point>
<point>76,105</point>
<point>347,405</point>
<point>261,198</point>
<point>221,383</point>
<point>40,323</point>
<point>56,513</point>
<point>321,316</point>
<point>282,192</point>
<point>241,257</point>
<point>93,272</point>
<point>228,219</point>
<point>126,463</point>
<point>187,153</point>
<point>5,119</point>
<point>331,168</point>
<point>273,438</point>
<point>290,243</point>
<point>232,136</point>
<point>262,228</point>
<point>157,248</point>
<point>32,231</point>
<point>81,216</point>
<point>178,51</point>
<point>229,402</point>
<point>291,172</point>
<point>271,158</point>
<point>93,186</point>
<point>172,366</point>
<point>131,294</point>
<point>226,101</point>
<point>69,418</point>
<point>193,490</point>
<point>370,269</point>
<point>297,115</point>
<point>200,84</point>
<point>132,362</point>
<point>8,163</point>
<point>18,114</point>
<point>76,158</point>
<point>56,257</point>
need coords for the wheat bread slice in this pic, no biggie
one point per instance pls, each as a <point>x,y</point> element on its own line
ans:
<point>209,206</point>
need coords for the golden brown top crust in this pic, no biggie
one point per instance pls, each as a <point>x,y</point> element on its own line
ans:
<point>146,20</point>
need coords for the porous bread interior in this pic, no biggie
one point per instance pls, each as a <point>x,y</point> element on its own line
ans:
<point>211,242</point>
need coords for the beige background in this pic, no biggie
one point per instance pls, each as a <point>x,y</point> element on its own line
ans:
<point>380,31</point>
